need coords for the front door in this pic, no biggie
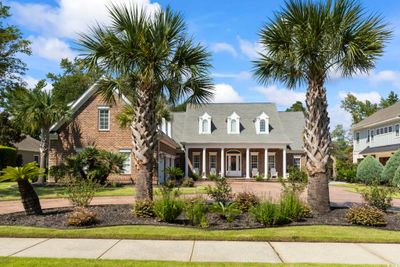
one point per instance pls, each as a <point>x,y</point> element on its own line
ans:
<point>234,165</point>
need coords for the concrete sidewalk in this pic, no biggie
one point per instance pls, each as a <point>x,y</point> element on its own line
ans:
<point>202,251</point>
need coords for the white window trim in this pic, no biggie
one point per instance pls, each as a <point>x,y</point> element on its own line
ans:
<point>209,159</point>
<point>196,154</point>
<point>258,159</point>
<point>233,116</point>
<point>271,154</point>
<point>297,157</point>
<point>38,158</point>
<point>98,119</point>
<point>264,117</point>
<point>205,117</point>
<point>130,160</point>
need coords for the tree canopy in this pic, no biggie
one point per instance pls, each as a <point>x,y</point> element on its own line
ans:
<point>11,46</point>
<point>359,110</point>
<point>74,80</point>
<point>298,106</point>
<point>9,133</point>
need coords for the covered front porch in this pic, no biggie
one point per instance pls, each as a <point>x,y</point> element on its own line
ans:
<point>238,161</point>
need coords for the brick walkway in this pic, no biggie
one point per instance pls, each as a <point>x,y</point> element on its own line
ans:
<point>339,196</point>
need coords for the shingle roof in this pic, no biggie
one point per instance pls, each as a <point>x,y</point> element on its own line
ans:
<point>387,148</point>
<point>293,123</point>
<point>284,129</point>
<point>28,144</point>
<point>382,115</point>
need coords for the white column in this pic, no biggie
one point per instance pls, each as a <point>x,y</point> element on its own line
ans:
<point>203,165</point>
<point>284,163</point>
<point>222,163</point>
<point>247,162</point>
<point>266,163</point>
<point>186,161</point>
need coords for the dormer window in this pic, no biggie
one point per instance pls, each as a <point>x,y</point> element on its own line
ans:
<point>233,124</point>
<point>262,124</point>
<point>205,124</point>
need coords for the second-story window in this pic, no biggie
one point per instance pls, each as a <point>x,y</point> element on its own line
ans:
<point>233,124</point>
<point>262,126</point>
<point>104,119</point>
<point>205,124</point>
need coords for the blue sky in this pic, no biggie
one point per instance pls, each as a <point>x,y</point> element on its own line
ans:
<point>227,28</point>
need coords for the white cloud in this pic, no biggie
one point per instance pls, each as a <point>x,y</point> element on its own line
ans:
<point>282,97</point>
<point>243,75</point>
<point>55,26</point>
<point>31,83</point>
<point>385,76</point>
<point>373,97</point>
<point>70,16</point>
<point>337,116</point>
<point>250,49</point>
<point>225,93</point>
<point>224,47</point>
<point>51,48</point>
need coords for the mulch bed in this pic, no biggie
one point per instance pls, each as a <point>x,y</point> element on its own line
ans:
<point>109,215</point>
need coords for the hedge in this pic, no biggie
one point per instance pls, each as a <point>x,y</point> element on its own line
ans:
<point>8,157</point>
<point>396,178</point>
<point>391,166</point>
<point>369,170</point>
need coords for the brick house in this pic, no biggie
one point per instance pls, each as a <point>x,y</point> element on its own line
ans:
<point>237,140</point>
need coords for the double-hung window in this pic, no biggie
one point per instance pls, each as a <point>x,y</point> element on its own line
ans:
<point>213,162</point>
<point>196,162</point>
<point>271,162</point>
<point>397,129</point>
<point>297,161</point>
<point>104,118</point>
<point>127,166</point>
<point>254,161</point>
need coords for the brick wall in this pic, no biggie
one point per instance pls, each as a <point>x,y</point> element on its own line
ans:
<point>83,131</point>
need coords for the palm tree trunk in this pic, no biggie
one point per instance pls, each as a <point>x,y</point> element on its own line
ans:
<point>44,151</point>
<point>29,198</point>
<point>317,147</point>
<point>144,130</point>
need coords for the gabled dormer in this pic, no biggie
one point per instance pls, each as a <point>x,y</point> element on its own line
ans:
<point>205,124</point>
<point>262,124</point>
<point>233,124</point>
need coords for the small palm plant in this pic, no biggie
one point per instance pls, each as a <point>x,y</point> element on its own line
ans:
<point>21,175</point>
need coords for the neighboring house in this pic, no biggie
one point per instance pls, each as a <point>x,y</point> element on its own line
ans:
<point>377,135</point>
<point>231,140</point>
<point>29,149</point>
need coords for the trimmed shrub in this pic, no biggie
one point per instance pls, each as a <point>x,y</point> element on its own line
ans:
<point>228,211</point>
<point>366,215</point>
<point>390,168</point>
<point>378,196</point>
<point>8,157</point>
<point>246,200</point>
<point>396,178</point>
<point>168,207</point>
<point>196,210</point>
<point>174,173</point>
<point>143,209</point>
<point>369,170</point>
<point>187,182</point>
<point>81,217</point>
<point>81,191</point>
<point>222,192</point>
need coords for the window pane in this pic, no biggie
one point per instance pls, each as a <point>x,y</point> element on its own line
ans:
<point>205,126</point>
<point>271,161</point>
<point>196,162</point>
<point>262,126</point>
<point>127,163</point>
<point>233,126</point>
<point>254,161</point>
<point>213,161</point>
<point>104,119</point>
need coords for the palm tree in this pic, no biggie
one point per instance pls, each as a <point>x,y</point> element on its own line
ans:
<point>35,111</point>
<point>21,175</point>
<point>303,44</point>
<point>147,57</point>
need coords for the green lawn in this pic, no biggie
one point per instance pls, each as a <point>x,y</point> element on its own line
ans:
<point>9,191</point>
<point>43,262</point>
<point>355,188</point>
<point>287,233</point>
